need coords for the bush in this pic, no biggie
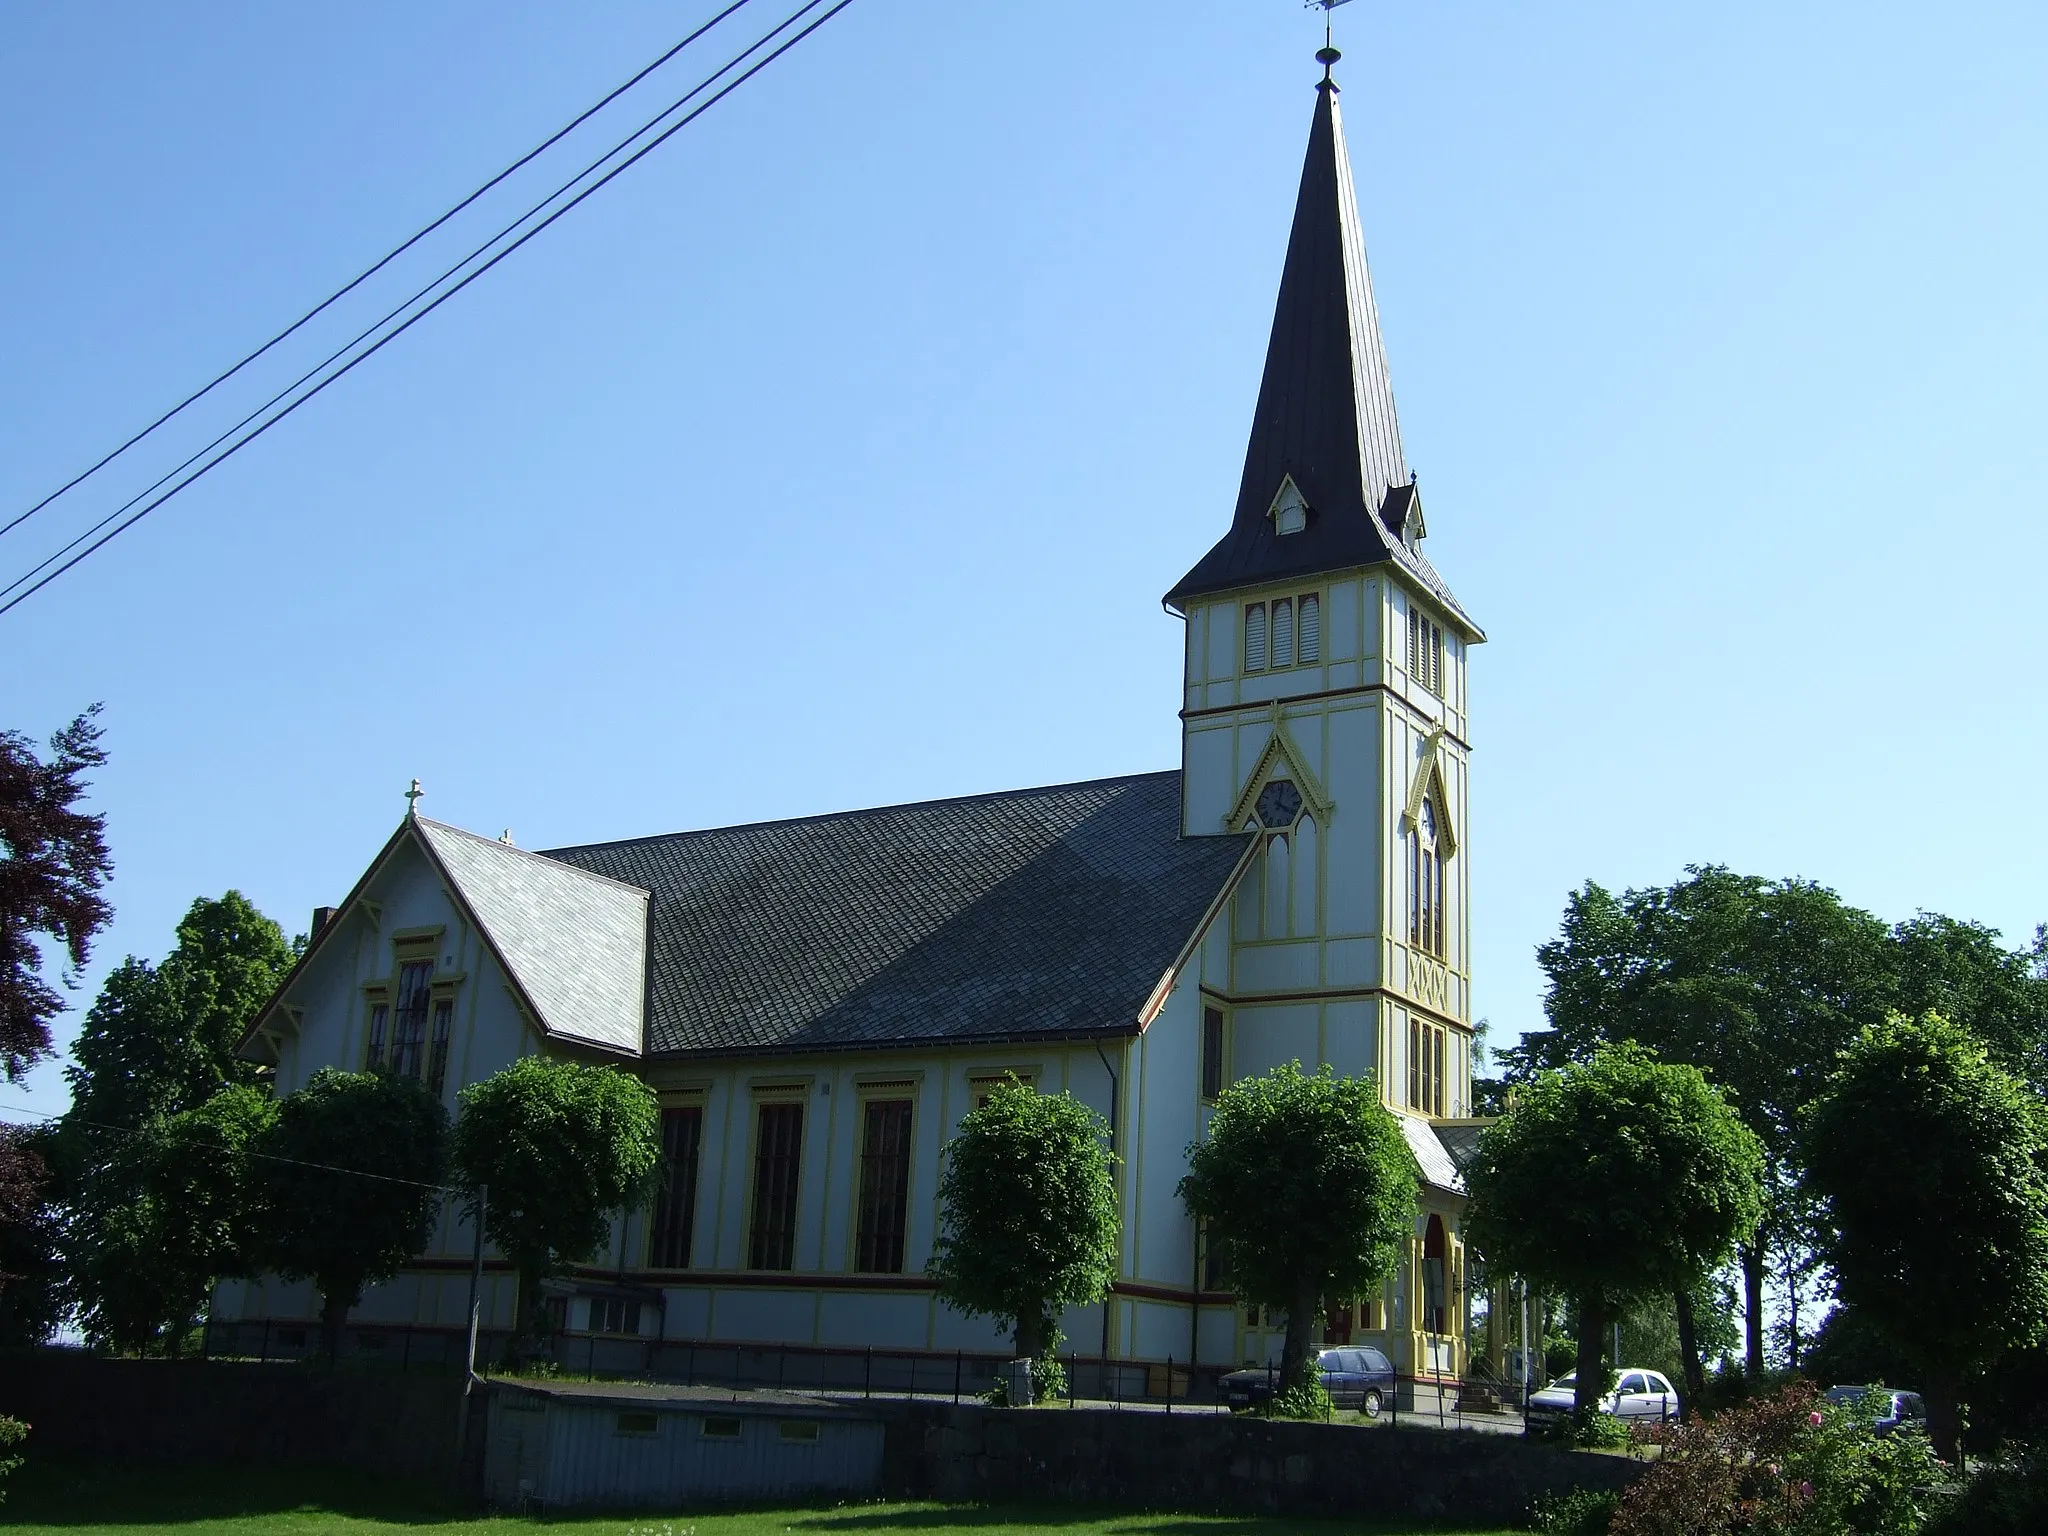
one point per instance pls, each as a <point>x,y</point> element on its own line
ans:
<point>12,1433</point>
<point>2007,1498</point>
<point>1309,1400</point>
<point>1787,1464</point>
<point>1594,1430</point>
<point>1582,1512</point>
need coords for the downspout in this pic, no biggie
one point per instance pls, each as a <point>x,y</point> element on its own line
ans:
<point>1115,1093</point>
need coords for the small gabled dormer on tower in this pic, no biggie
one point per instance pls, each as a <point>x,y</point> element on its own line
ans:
<point>1324,649</point>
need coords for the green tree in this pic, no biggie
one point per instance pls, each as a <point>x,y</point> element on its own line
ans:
<point>1929,1158</point>
<point>53,862</point>
<point>562,1148</point>
<point>352,1172</point>
<point>1027,1214</point>
<point>158,1044</point>
<point>1964,972</point>
<point>194,1215</point>
<point>1308,1189</point>
<point>162,1039</point>
<point>1612,1181</point>
<point>1761,983</point>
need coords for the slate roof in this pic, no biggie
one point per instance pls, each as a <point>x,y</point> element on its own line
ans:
<point>1431,1155</point>
<point>1033,914</point>
<point>1325,413</point>
<point>1460,1142</point>
<point>574,943</point>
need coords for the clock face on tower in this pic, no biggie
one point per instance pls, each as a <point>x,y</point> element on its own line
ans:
<point>1279,804</point>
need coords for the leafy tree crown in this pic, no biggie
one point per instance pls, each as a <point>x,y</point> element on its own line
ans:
<point>1028,1224</point>
<point>1304,1179</point>
<point>561,1146</point>
<point>1930,1159</point>
<point>1614,1179</point>
<point>352,1167</point>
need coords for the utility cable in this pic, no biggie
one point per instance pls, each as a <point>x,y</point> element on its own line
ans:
<point>375,267</point>
<point>149,1133</point>
<point>399,309</point>
<point>414,320</point>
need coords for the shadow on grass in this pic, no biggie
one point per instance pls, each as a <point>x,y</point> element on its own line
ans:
<point>1102,1522</point>
<point>106,1495</point>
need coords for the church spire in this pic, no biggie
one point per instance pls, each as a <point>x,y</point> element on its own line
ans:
<point>1325,433</point>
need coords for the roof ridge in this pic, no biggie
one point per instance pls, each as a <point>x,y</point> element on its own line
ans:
<point>528,853</point>
<point>554,854</point>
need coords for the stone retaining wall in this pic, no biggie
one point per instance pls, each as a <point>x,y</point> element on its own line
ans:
<point>1212,1461</point>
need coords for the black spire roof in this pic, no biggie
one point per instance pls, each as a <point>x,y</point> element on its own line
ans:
<point>1325,416</point>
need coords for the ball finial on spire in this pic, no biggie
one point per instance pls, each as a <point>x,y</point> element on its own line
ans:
<point>1327,56</point>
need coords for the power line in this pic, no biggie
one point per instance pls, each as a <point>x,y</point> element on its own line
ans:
<point>342,351</point>
<point>146,1133</point>
<point>371,351</point>
<point>373,269</point>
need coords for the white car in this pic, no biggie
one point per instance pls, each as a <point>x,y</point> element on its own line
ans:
<point>1639,1394</point>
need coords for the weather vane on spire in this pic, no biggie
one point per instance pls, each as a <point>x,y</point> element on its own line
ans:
<point>1327,54</point>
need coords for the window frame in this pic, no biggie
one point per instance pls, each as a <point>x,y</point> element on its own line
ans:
<point>1266,611</point>
<point>1215,1060</point>
<point>675,1209</point>
<point>776,1239</point>
<point>1427,876</point>
<point>1428,1060</point>
<point>874,1236</point>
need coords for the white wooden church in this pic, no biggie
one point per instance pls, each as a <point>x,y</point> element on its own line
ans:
<point>818,1001</point>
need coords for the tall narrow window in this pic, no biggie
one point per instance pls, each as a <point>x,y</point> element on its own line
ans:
<point>409,1024</point>
<point>884,1187</point>
<point>1426,883</point>
<point>1212,1052</point>
<point>1308,626</point>
<point>1425,652</point>
<point>1255,637</point>
<point>778,1156</point>
<point>675,1208</point>
<point>437,1051</point>
<point>1283,632</point>
<point>380,1018</point>
<point>1426,1066</point>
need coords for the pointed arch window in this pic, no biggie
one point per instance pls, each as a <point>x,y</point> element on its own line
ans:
<point>1426,882</point>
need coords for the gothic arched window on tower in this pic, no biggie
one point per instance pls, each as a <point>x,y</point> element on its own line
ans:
<point>1426,883</point>
<point>1255,637</point>
<point>1283,633</point>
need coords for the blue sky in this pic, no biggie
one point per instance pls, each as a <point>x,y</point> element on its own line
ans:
<point>838,453</point>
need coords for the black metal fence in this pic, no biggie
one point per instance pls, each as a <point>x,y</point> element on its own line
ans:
<point>869,1372</point>
<point>960,1376</point>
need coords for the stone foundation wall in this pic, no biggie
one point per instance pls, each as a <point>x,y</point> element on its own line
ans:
<point>1212,1461</point>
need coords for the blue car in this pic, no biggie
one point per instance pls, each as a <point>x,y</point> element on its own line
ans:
<point>1356,1377</point>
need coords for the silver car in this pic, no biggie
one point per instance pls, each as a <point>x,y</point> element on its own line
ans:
<point>1639,1394</point>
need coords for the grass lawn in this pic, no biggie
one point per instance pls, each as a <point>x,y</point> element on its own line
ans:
<point>55,1498</point>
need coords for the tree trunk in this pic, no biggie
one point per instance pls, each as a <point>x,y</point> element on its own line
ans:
<point>1944,1414</point>
<point>334,1305</point>
<point>1753,1303</point>
<point>525,1313</point>
<point>1689,1349</point>
<point>1592,1380</point>
<point>1030,1340</point>
<point>1295,1355</point>
<point>1791,1307</point>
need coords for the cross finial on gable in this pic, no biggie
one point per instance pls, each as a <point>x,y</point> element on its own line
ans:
<point>412,798</point>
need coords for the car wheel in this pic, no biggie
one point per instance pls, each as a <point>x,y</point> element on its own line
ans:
<point>1370,1405</point>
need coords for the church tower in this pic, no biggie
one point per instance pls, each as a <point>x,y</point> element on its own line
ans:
<point>1325,704</point>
